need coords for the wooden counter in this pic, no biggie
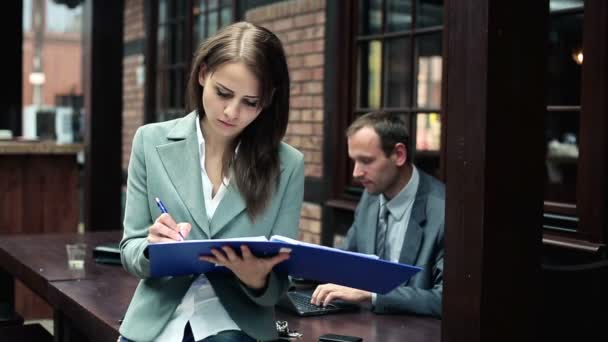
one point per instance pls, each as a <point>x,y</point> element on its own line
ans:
<point>29,148</point>
<point>39,184</point>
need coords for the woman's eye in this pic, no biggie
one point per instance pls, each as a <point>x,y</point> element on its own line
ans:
<point>253,104</point>
<point>223,94</point>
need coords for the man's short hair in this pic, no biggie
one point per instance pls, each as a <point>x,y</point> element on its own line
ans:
<point>391,129</point>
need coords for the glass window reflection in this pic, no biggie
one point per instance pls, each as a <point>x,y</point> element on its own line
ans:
<point>370,65</point>
<point>428,67</point>
<point>399,15</point>
<point>397,73</point>
<point>429,13</point>
<point>564,63</point>
<point>370,16</point>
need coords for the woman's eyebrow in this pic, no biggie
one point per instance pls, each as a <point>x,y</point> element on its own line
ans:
<point>232,91</point>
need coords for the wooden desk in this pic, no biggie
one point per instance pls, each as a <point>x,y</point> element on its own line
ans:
<point>88,309</point>
<point>365,324</point>
<point>37,260</point>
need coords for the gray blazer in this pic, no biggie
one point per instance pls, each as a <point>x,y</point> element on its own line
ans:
<point>165,163</point>
<point>423,246</point>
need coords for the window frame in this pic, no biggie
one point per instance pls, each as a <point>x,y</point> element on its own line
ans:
<point>151,7</point>
<point>344,193</point>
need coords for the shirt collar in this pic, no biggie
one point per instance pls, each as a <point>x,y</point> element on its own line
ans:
<point>201,149</point>
<point>398,205</point>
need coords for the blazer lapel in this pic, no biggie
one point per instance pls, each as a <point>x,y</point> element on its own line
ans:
<point>414,233</point>
<point>369,236</point>
<point>182,163</point>
<point>231,205</point>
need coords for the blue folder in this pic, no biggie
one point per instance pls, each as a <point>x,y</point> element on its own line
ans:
<point>308,261</point>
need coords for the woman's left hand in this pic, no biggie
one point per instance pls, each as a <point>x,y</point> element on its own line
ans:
<point>251,270</point>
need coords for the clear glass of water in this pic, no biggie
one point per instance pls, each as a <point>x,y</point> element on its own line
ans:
<point>76,255</point>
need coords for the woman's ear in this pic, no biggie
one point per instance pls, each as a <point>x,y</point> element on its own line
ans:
<point>202,75</point>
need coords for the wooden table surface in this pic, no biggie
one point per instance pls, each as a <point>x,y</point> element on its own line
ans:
<point>94,302</point>
<point>37,260</point>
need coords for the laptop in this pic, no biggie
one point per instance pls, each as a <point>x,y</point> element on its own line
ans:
<point>298,303</point>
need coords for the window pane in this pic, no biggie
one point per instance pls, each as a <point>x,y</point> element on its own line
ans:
<point>428,132</point>
<point>161,90</point>
<point>226,3</point>
<point>564,70</point>
<point>177,43</point>
<point>212,4</point>
<point>428,66</point>
<point>226,16</point>
<point>429,13</point>
<point>163,11</point>
<point>561,139</point>
<point>212,23</point>
<point>427,143</point>
<point>180,9</point>
<point>397,73</point>
<point>198,33</point>
<point>399,15</point>
<point>162,48</point>
<point>370,65</point>
<point>177,89</point>
<point>370,16</point>
<point>556,5</point>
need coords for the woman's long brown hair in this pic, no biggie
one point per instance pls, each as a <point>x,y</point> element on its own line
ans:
<point>256,166</point>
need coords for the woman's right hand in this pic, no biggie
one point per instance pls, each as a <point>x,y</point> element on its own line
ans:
<point>165,229</point>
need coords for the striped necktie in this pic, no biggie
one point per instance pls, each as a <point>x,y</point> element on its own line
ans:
<point>381,232</point>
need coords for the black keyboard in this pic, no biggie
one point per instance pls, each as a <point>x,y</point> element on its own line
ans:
<point>299,303</point>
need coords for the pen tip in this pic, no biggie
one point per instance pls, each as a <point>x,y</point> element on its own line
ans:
<point>156,199</point>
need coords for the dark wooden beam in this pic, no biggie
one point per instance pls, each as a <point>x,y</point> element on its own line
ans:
<point>102,83</point>
<point>494,104</point>
<point>12,60</point>
<point>592,181</point>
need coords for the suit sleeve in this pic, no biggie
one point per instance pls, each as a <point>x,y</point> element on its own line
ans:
<point>286,224</point>
<point>417,300</point>
<point>137,213</point>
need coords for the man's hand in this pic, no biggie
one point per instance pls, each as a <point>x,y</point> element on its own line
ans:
<point>326,293</point>
<point>251,270</point>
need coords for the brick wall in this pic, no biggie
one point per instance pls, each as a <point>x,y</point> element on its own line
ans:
<point>300,24</point>
<point>133,91</point>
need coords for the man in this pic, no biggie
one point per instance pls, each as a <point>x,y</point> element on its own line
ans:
<point>400,217</point>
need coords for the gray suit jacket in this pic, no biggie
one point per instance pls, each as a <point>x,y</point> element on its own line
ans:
<point>423,246</point>
<point>165,163</point>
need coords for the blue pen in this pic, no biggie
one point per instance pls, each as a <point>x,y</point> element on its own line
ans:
<point>162,208</point>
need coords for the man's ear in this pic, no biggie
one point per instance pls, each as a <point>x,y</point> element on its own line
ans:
<point>202,75</point>
<point>400,154</point>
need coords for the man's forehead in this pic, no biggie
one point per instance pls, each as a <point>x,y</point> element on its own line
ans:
<point>365,137</point>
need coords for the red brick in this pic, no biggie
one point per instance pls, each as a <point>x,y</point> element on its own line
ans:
<point>311,170</point>
<point>314,59</point>
<point>317,101</point>
<point>317,129</point>
<point>302,101</point>
<point>283,24</point>
<point>295,89</point>
<point>311,210</point>
<point>317,73</point>
<point>300,128</point>
<point>302,74</point>
<point>312,226</point>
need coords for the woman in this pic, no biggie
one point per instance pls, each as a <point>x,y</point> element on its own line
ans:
<point>222,172</point>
